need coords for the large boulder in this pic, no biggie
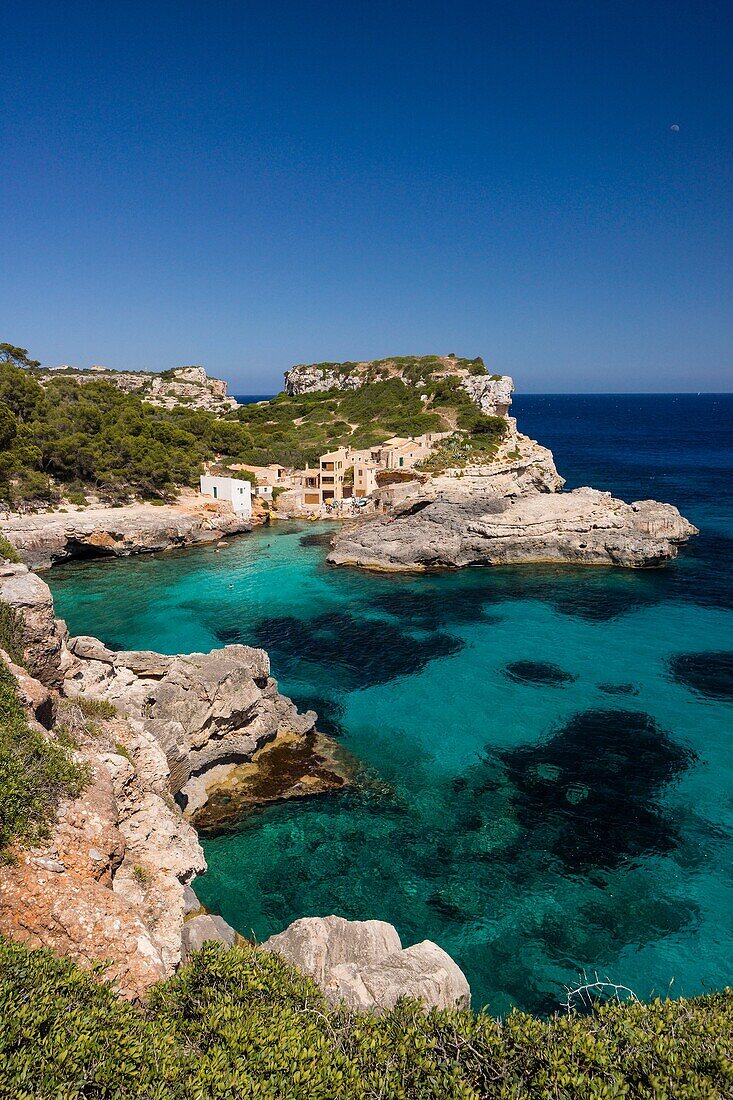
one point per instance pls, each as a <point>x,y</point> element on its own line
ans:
<point>206,928</point>
<point>363,964</point>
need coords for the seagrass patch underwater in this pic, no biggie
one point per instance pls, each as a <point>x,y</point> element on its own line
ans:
<point>547,754</point>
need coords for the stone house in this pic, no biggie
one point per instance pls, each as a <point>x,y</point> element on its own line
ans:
<point>234,491</point>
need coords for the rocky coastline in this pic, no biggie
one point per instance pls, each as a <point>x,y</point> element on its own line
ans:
<point>187,742</point>
<point>173,742</point>
<point>513,511</point>
<point>45,538</point>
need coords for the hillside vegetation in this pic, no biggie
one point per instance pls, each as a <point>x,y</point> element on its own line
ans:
<point>63,439</point>
<point>297,429</point>
<point>243,1024</point>
<point>36,771</point>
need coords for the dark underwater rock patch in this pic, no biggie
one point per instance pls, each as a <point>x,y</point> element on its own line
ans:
<point>709,674</point>
<point>316,538</point>
<point>619,689</point>
<point>362,651</point>
<point>228,635</point>
<point>543,673</point>
<point>589,793</point>
<point>431,608</point>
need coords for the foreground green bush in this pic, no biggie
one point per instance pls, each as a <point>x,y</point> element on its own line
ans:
<point>35,773</point>
<point>241,1023</point>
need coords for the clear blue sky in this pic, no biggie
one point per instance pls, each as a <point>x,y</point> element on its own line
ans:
<point>250,185</point>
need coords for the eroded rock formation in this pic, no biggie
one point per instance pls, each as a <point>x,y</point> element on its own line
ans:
<point>108,885</point>
<point>491,392</point>
<point>44,539</point>
<point>189,386</point>
<point>208,712</point>
<point>112,881</point>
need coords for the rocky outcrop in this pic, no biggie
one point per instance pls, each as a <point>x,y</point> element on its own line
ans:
<point>363,964</point>
<point>457,528</point>
<point>492,393</point>
<point>206,928</point>
<point>30,599</point>
<point>208,712</point>
<point>46,538</point>
<point>112,881</point>
<point>189,386</point>
<point>512,511</point>
<point>319,377</point>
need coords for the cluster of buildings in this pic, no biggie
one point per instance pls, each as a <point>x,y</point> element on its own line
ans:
<point>346,474</point>
<point>341,475</point>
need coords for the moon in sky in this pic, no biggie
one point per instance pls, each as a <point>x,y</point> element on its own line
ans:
<point>674,127</point>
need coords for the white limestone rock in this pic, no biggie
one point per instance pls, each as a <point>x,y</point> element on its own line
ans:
<point>363,964</point>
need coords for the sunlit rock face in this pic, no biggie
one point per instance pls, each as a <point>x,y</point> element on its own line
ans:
<point>189,386</point>
<point>44,539</point>
<point>363,964</point>
<point>458,527</point>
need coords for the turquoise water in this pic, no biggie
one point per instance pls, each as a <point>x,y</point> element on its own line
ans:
<point>547,780</point>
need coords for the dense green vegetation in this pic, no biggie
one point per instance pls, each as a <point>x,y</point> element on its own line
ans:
<point>35,772</point>
<point>8,551</point>
<point>95,437</point>
<point>242,1024</point>
<point>66,439</point>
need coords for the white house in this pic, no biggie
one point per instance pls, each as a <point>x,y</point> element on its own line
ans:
<point>238,493</point>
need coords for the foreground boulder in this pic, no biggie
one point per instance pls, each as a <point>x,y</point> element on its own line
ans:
<point>363,964</point>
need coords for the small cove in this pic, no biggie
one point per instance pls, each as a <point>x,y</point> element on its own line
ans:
<point>545,786</point>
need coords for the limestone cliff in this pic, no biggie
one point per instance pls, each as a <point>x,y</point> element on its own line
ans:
<point>513,511</point>
<point>189,386</point>
<point>491,392</point>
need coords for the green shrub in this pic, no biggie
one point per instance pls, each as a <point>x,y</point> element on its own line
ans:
<point>142,875</point>
<point>11,632</point>
<point>8,551</point>
<point>95,708</point>
<point>243,1024</point>
<point>35,773</point>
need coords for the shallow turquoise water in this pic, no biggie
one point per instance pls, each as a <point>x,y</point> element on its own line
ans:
<point>532,823</point>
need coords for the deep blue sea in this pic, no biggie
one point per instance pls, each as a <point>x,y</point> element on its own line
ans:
<point>546,781</point>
